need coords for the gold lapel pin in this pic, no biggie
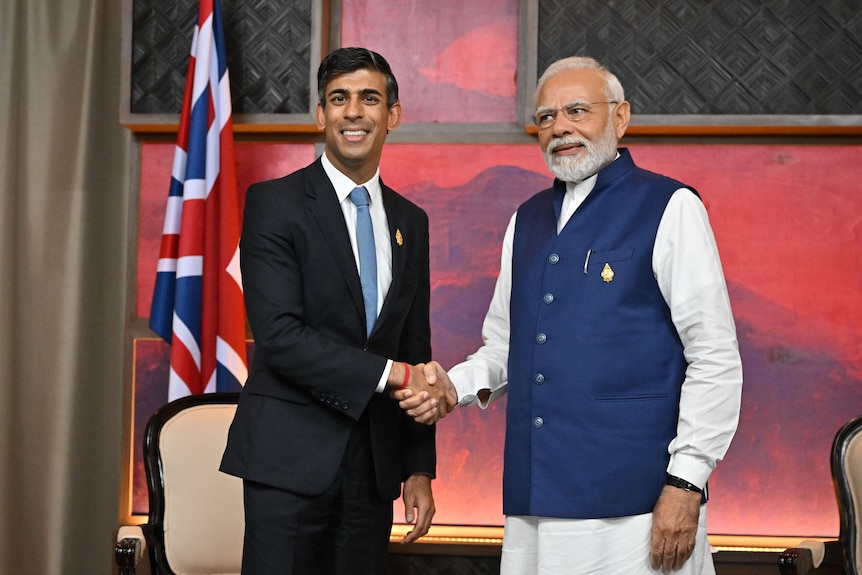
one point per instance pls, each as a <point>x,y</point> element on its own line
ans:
<point>399,239</point>
<point>607,274</point>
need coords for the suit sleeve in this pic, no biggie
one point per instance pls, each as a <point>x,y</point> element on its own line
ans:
<point>277,258</point>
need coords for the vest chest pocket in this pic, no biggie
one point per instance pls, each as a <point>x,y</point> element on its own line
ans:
<point>601,261</point>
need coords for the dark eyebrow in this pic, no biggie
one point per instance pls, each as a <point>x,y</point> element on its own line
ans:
<point>364,92</point>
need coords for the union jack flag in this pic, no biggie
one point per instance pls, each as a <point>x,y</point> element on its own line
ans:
<point>198,303</point>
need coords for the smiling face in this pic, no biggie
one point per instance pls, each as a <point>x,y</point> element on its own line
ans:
<point>575,150</point>
<point>356,120</point>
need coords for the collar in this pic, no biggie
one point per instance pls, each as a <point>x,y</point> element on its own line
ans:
<point>583,188</point>
<point>344,185</point>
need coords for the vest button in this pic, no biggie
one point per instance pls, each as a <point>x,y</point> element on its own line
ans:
<point>548,298</point>
<point>538,422</point>
<point>541,338</point>
<point>539,379</point>
<point>554,258</point>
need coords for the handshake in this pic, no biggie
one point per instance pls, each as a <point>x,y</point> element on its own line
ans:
<point>424,391</point>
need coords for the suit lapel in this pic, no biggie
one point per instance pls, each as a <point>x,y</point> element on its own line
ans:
<point>396,241</point>
<point>330,218</point>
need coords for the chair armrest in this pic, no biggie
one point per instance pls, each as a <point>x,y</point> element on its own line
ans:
<point>129,549</point>
<point>801,559</point>
<point>810,554</point>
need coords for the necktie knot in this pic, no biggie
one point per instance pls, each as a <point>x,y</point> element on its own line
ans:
<point>359,196</point>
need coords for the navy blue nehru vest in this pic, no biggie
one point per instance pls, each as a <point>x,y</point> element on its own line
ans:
<point>595,366</point>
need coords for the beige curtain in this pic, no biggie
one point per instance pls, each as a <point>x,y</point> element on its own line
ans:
<point>63,218</point>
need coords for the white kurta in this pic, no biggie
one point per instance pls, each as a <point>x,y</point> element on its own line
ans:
<point>688,270</point>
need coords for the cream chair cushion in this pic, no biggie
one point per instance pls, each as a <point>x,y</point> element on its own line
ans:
<point>204,520</point>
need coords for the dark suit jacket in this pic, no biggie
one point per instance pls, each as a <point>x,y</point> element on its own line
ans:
<point>313,373</point>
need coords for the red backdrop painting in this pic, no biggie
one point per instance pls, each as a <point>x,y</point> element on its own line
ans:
<point>787,220</point>
<point>455,61</point>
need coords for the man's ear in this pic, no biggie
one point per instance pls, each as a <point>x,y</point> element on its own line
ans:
<point>394,117</point>
<point>622,115</point>
<point>321,117</point>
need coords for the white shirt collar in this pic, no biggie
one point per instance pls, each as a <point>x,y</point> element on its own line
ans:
<point>574,197</point>
<point>344,185</point>
<point>582,189</point>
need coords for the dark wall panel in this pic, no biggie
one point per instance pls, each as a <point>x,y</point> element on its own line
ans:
<point>783,57</point>
<point>268,45</point>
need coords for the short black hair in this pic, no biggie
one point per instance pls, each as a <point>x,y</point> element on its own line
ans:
<point>346,60</point>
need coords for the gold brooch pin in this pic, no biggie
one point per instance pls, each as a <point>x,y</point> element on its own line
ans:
<point>607,274</point>
<point>399,239</point>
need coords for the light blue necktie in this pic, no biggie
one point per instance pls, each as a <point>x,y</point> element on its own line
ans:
<point>367,255</point>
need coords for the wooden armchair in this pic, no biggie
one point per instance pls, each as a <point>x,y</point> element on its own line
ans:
<point>845,554</point>
<point>195,523</point>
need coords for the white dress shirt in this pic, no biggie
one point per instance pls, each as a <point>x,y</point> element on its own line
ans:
<point>343,186</point>
<point>687,268</point>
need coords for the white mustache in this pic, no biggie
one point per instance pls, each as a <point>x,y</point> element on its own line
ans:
<point>565,141</point>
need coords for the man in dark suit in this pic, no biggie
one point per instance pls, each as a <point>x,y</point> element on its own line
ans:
<point>321,446</point>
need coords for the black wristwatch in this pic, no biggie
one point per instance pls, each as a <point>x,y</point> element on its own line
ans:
<point>675,481</point>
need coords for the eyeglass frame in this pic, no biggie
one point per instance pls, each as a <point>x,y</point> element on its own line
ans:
<point>571,105</point>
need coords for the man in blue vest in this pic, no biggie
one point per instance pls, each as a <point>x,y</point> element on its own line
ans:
<point>611,331</point>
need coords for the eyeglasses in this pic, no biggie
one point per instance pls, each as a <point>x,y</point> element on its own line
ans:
<point>574,112</point>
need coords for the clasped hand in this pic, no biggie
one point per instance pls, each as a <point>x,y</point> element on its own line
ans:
<point>429,395</point>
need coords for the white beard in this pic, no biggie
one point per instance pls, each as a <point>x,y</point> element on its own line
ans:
<point>597,154</point>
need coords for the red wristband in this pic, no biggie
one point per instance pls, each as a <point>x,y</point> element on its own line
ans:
<point>406,377</point>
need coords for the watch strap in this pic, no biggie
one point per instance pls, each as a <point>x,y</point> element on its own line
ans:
<point>675,481</point>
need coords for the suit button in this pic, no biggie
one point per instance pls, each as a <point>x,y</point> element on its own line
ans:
<point>540,379</point>
<point>345,406</point>
<point>541,338</point>
<point>554,258</point>
<point>548,298</point>
<point>538,422</point>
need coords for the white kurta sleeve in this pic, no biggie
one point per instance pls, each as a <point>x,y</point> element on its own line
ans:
<point>488,367</point>
<point>689,274</point>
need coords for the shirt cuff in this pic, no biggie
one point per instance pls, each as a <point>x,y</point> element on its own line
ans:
<point>689,468</point>
<point>381,385</point>
<point>469,379</point>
